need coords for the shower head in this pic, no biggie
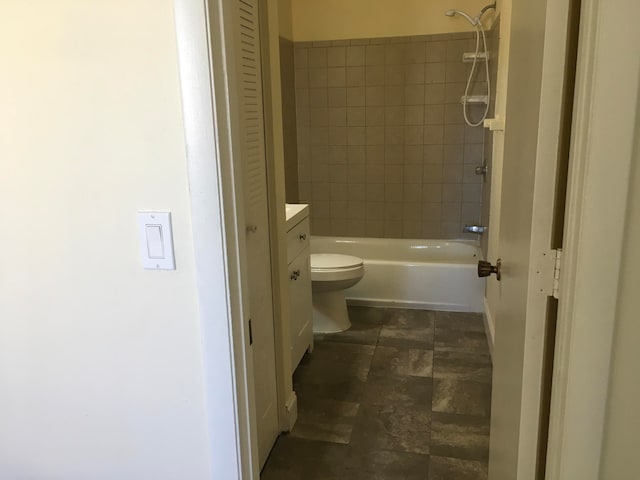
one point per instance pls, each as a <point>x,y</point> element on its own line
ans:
<point>452,13</point>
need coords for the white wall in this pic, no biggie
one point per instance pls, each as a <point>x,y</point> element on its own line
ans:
<point>100,361</point>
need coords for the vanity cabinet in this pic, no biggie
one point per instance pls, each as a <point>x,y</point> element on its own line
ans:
<point>301,320</point>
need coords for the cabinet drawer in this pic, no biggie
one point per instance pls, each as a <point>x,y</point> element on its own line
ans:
<point>297,239</point>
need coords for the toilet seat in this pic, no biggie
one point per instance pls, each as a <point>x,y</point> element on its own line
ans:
<point>326,267</point>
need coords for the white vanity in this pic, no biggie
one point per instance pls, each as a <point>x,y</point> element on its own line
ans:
<point>298,254</point>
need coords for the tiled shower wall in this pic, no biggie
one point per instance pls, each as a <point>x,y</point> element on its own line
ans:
<point>382,147</point>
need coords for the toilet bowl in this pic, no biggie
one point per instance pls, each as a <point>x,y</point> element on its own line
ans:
<point>331,274</point>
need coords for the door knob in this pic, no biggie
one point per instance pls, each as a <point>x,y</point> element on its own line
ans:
<point>485,268</point>
<point>252,228</point>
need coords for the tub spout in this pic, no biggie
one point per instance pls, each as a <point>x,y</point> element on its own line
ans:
<point>479,229</point>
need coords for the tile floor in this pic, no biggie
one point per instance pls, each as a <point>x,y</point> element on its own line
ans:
<point>403,394</point>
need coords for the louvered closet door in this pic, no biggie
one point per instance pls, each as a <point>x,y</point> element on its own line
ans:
<point>257,218</point>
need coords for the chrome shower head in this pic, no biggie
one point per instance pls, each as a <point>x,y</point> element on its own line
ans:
<point>452,13</point>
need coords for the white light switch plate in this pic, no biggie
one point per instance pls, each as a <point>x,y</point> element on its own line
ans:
<point>156,240</point>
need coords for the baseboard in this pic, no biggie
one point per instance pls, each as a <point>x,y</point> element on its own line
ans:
<point>489,327</point>
<point>291,413</point>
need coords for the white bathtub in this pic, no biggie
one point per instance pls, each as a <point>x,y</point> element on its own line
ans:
<point>425,274</point>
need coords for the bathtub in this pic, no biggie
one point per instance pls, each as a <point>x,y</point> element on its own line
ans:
<point>424,274</point>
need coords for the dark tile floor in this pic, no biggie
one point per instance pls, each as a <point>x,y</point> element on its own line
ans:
<point>403,394</point>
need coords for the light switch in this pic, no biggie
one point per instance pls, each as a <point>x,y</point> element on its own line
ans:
<point>156,242</point>
<point>155,248</point>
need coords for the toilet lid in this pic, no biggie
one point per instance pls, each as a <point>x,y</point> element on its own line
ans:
<point>333,260</point>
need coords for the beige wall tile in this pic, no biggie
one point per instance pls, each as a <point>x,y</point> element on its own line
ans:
<point>414,74</point>
<point>374,75</point>
<point>317,57</point>
<point>375,96</point>
<point>357,191</point>
<point>337,155</point>
<point>394,75</point>
<point>374,192</point>
<point>452,192</point>
<point>336,77</point>
<point>431,212</point>
<point>355,96</point>
<point>338,192</point>
<point>374,55</point>
<point>355,76</point>
<point>356,174</point>
<point>436,52</point>
<point>356,155</point>
<point>412,192</point>
<point>432,193</point>
<point>434,94</point>
<point>414,115</point>
<point>435,73</point>
<point>394,115</point>
<point>393,192</point>
<point>356,116</point>
<point>337,97</point>
<point>381,143</point>
<point>375,136</point>
<point>356,136</point>
<point>433,134</point>
<point>393,154</point>
<point>317,77</point>
<point>393,173</point>
<point>453,154</point>
<point>432,173</point>
<point>394,135</point>
<point>374,116</point>
<point>452,173</point>
<point>336,56</point>
<point>413,154</point>
<point>374,174</point>
<point>337,116</point>
<point>414,52</point>
<point>355,55</point>
<point>338,174</point>
<point>375,154</point>
<point>433,154</point>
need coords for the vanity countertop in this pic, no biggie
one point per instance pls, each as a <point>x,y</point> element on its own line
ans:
<point>295,213</point>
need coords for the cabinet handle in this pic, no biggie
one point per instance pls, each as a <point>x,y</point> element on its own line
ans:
<point>302,236</point>
<point>295,274</point>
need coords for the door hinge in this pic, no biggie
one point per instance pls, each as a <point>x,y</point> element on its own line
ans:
<point>547,271</point>
<point>556,273</point>
<point>250,334</point>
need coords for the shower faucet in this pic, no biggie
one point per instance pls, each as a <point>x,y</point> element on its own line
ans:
<point>479,229</point>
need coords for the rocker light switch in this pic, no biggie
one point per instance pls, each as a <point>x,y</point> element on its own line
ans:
<point>156,242</point>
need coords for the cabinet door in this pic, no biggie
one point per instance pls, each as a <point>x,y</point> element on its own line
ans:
<point>300,307</point>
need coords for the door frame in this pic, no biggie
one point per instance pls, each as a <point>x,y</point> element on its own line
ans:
<point>205,37</point>
<point>604,122</point>
<point>579,393</point>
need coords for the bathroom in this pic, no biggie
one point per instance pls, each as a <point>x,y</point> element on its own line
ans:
<point>376,142</point>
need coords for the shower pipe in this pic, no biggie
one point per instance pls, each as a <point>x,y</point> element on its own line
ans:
<point>476,23</point>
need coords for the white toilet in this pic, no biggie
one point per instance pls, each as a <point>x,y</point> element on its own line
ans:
<point>330,275</point>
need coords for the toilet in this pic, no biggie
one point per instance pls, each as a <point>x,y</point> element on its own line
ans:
<point>331,274</point>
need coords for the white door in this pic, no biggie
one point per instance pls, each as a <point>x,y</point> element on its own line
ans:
<point>533,132</point>
<point>257,219</point>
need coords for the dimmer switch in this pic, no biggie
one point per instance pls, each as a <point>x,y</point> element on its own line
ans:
<point>156,242</point>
